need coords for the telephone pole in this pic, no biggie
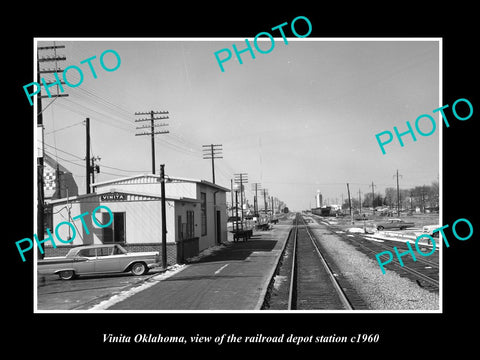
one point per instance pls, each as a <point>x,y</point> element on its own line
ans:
<point>90,166</point>
<point>398,196</point>
<point>40,165</point>
<point>211,152</point>
<point>349,203</point>
<point>373,194</point>
<point>256,187</point>
<point>241,178</point>
<point>265,193</point>
<point>87,153</point>
<point>94,168</point>
<point>152,127</point>
<point>360,200</point>
<point>231,194</point>
<point>55,58</point>
<point>164,217</point>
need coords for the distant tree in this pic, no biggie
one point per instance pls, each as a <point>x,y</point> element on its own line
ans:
<point>434,194</point>
<point>355,204</point>
<point>391,197</point>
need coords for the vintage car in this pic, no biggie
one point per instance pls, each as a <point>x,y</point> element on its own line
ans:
<point>428,229</point>
<point>98,259</point>
<point>394,224</point>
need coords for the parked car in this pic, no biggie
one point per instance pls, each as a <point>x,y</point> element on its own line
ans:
<point>428,229</point>
<point>98,259</point>
<point>394,224</point>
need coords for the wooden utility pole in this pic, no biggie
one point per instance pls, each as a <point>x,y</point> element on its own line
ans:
<point>211,152</point>
<point>241,178</point>
<point>94,168</point>
<point>360,200</point>
<point>87,153</point>
<point>90,166</point>
<point>349,203</point>
<point>373,194</point>
<point>40,165</point>
<point>164,217</point>
<point>265,193</point>
<point>256,187</point>
<point>398,196</point>
<point>231,193</point>
<point>152,127</point>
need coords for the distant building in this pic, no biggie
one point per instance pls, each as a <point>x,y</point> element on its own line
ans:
<point>318,199</point>
<point>58,181</point>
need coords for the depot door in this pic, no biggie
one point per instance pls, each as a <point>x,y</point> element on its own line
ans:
<point>115,233</point>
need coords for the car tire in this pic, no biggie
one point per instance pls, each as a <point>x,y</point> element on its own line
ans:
<point>380,228</point>
<point>402,228</point>
<point>139,268</point>
<point>67,274</point>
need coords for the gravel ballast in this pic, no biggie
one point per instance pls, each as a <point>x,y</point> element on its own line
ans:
<point>380,291</point>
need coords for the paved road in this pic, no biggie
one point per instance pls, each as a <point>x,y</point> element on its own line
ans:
<point>234,278</point>
<point>56,294</point>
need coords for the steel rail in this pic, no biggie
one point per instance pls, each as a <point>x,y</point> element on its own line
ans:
<point>423,277</point>
<point>406,268</point>
<point>293,273</point>
<point>341,294</point>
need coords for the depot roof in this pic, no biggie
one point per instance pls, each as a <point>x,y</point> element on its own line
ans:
<point>130,195</point>
<point>168,179</point>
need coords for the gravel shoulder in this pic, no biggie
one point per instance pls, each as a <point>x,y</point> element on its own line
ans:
<point>380,291</point>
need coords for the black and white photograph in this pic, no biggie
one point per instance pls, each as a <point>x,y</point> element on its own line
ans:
<point>199,182</point>
<point>277,195</point>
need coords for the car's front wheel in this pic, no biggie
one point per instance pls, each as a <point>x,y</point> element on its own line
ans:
<point>67,274</point>
<point>139,268</point>
<point>380,228</point>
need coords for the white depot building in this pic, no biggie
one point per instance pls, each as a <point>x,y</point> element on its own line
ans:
<point>196,216</point>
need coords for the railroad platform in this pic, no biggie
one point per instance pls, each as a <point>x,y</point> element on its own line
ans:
<point>235,277</point>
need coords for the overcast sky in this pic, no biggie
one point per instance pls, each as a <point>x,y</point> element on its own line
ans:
<point>299,119</point>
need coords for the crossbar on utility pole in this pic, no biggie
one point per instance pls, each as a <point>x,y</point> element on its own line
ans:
<point>212,152</point>
<point>152,132</point>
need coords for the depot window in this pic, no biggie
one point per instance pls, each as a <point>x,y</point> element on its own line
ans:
<point>203,208</point>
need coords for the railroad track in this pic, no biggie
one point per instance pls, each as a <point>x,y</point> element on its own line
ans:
<point>313,285</point>
<point>423,271</point>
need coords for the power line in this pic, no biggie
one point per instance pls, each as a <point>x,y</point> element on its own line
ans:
<point>63,151</point>
<point>65,127</point>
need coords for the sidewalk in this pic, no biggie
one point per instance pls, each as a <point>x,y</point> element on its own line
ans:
<point>235,277</point>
